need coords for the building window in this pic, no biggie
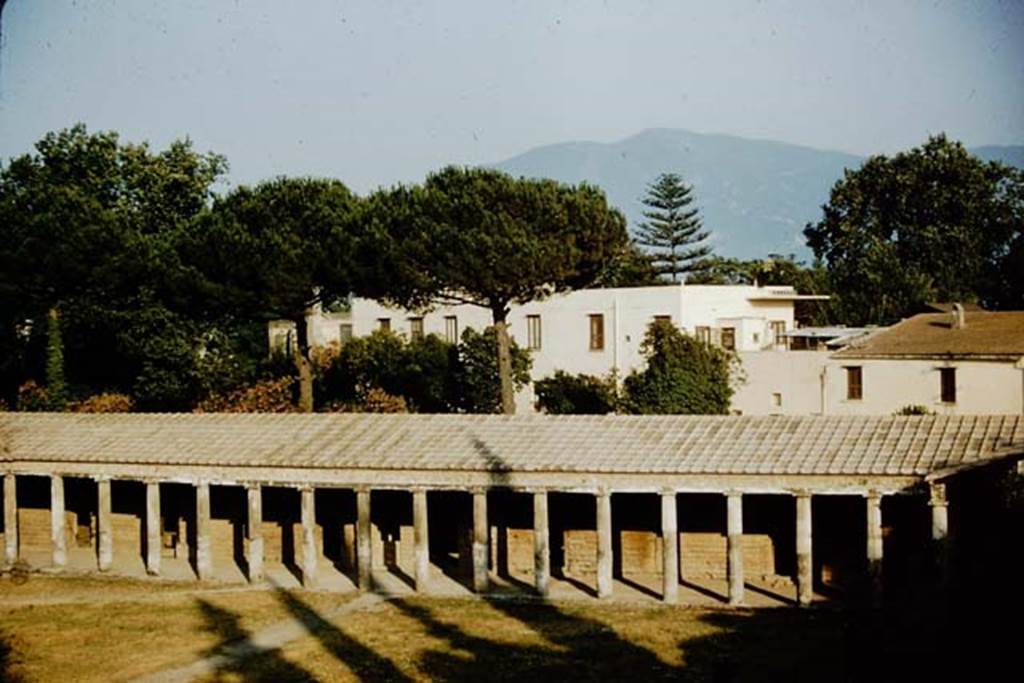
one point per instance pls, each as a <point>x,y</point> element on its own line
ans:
<point>451,329</point>
<point>947,377</point>
<point>344,333</point>
<point>597,332</point>
<point>776,400</point>
<point>288,343</point>
<point>854,383</point>
<point>703,334</point>
<point>533,332</point>
<point>416,328</point>
<point>729,338</point>
<point>778,330</point>
<point>384,324</point>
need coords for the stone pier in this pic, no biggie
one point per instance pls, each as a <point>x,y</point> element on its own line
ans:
<point>541,544</point>
<point>734,546</point>
<point>480,547</point>
<point>604,544</point>
<point>670,548</point>
<point>804,558</point>
<point>104,523</point>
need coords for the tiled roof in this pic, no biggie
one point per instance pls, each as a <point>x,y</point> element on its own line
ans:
<point>987,334</point>
<point>594,444</point>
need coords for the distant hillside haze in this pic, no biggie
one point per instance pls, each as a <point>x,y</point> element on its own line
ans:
<point>755,196</point>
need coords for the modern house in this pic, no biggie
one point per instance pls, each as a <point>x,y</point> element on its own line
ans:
<point>958,363</point>
<point>592,331</point>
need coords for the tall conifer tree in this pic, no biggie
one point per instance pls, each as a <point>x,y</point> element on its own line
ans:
<point>673,231</point>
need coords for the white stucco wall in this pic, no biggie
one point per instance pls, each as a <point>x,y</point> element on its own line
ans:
<point>982,387</point>
<point>794,375</point>
<point>565,323</point>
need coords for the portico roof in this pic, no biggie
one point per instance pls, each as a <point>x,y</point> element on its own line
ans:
<point>912,446</point>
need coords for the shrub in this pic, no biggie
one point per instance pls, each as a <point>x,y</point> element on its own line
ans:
<point>33,398</point>
<point>266,396</point>
<point>103,403</point>
<point>476,384</point>
<point>683,375</point>
<point>913,410</point>
<point>565,394</point>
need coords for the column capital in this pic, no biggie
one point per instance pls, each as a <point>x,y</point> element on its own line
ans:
<point>536,489</point>
<point>251,485</point>
<point>362,488</point>
<point>98,478</point>
<point>937,495</point>
<point>733,493</point>
<point>479,489</point>
<point>418,489</point>
<point>801,493</point>
<point>603,492</point>
<point>668,492</point>
<point>873,496</point>
<point>304,487</point>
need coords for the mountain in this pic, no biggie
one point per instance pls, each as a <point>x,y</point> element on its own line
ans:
<point>755,196</point>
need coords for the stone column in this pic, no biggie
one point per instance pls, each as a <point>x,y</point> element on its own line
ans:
<point>364,557</point>
<point>422,538</point>
<point>57,535</point>
<point>940,512</point>
<point>541,544</point>
<point>154,528</point>
<point>604,544</point>
<point>308,496</point>
<point>940,531</point>
<point>734,543</point>
<point>204,562</point>
<point>104,523</point>
<point>874,519</point>
<point>669,548</point>
<point>254,531</point>
<point>804,563</point>
<point>480,554</point>
<point>10,518</point>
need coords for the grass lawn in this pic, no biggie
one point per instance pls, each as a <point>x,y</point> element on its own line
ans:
<point>96,629</point>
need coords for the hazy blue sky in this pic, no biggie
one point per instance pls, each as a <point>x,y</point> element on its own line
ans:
<point>375,92</point>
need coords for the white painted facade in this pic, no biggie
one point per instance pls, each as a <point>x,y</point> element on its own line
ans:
<point>753,314</point>
<point>815,383</point>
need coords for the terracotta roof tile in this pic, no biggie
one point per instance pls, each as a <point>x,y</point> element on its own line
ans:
<point>931,335</point>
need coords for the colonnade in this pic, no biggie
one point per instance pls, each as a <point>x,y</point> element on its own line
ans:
<point>480,541</point>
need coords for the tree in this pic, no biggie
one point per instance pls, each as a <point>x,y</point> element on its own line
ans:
<point>86,228</point>
<point>275,251</point>
<point>630,267</point>
<point>481,237</point>
<point>476,378</point>
<point>565,394</point>
<point>683,375</point>
<point>672,230</point>
<point>931,224</point>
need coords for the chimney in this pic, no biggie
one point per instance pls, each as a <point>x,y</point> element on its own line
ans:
<point>959,320</point>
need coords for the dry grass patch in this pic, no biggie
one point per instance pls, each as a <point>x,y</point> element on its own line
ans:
<point>128,629</point>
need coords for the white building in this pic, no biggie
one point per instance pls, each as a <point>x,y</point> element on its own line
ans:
<point>949,364</point>
<point>591,331</point>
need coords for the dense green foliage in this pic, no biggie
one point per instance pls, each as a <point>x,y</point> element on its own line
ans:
<point>275,251</point>
<point>683,375</point>
<point>87,227</point>
<point>429,374</point>
<point>565,394</point>
<point>931,224</point>
<point>56,386</point>
<point>481,237</point>
<point>672,232</point>
<point>630,267</point>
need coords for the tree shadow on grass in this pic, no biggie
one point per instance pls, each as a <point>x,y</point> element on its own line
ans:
<point>237,658</point>
<point>366,664</point>
<point>8,660</point>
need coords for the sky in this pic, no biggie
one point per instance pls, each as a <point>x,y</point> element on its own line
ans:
<point>376,93</point>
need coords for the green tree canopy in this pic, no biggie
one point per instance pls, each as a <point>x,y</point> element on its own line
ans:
<point>931,224</point>
<point>673,231</point>
<point>87,225</point>
<point>276,250</point>
<point>565,394</point>
<point>481,237</point>
<point>683,375</point>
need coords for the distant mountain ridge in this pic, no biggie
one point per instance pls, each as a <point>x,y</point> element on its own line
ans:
<point>755,196</point>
